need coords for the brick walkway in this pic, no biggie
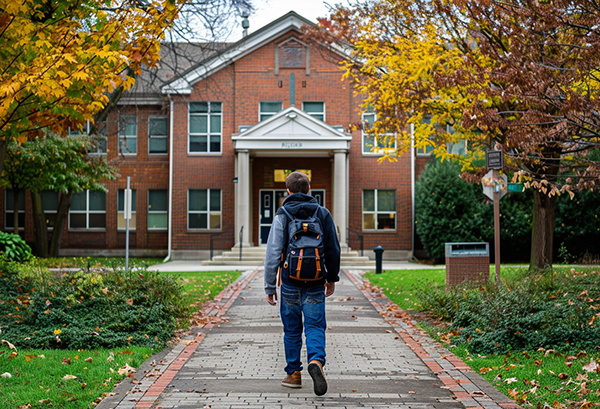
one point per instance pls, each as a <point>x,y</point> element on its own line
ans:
<point>373,361</point>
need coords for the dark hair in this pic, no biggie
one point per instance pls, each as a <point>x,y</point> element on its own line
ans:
<point>297,182</point>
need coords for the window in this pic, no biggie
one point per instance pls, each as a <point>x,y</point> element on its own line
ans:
<point>50,206</point>
<point>371,143</point>
<point>267,109</point>
<point>205,127</point>
<point>88,210</point>
<point>128,134</point>
<point>316,109</point>
<point>379,209</point>
<point>158,209</point>
<point>204,209</point>
<point>158,134</point>
<point>121,222</point>
<point>9,209</point>
<point>98,140</point>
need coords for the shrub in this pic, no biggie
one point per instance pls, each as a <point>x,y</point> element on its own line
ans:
<point>14,247</point>
<point>88,309</point>
<point>553,310</point>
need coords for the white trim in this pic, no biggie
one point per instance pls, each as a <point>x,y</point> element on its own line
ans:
<point>170,194</point>
<point>288,22</point>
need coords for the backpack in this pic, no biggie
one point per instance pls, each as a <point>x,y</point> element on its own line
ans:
<point>304,260</point>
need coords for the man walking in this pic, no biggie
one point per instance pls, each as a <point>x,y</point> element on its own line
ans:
<point>302,243</point>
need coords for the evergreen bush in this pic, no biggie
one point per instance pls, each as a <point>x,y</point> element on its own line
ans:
<point>14,247</point>
<point>87,309</point>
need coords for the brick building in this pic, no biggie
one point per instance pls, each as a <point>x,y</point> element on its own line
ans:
<point>207,140</point>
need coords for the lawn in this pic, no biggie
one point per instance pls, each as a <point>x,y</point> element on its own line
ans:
<point>533,377</point>
<point>41,378</point>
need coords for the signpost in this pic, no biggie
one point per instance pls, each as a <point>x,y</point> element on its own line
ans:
<point>495,187</point>
<point>127,209</point>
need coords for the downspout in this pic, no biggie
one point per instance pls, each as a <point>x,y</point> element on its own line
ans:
<point>412,187</point>
<point>170,225</point>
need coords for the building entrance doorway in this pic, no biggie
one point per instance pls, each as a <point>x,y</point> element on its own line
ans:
<point>269,202</point>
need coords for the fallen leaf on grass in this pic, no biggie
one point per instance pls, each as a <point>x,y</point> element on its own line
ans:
<point>591,367</point>
<point>88,359</point>
<point>126,370</point>
<point>66,361</point>
<point>12,355</point>
<point>6,375</point>
<point>69,377</point>
<point>510,380</point>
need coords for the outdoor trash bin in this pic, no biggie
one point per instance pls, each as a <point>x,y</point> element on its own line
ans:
<point>467,262</point>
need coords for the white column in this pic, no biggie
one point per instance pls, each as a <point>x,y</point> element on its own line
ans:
<point>340,194</point>
<point>243,198</point>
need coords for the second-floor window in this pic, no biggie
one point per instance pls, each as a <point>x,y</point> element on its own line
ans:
<point>128,134</point>
<point>315,109</point>
<point>205,124</point>
<point>372,144</point>
<point>267,109</point>
<point>158,134</point>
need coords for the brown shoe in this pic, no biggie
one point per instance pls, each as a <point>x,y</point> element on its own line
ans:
<point>293,380</point>
<point>315,369</point>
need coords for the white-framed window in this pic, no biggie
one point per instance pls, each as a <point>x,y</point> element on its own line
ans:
<point>315,109</point>
<point>121,222</point>
<point>9,210</point>
<point>50,205</point>
<point>205,125</point>
<point>88,210</point>
<point>128,134</point>
<point>370,143</point>
<point>379,209</point>
<point>158,134</point>
<point>158,209</point>
<point>204,209</point>
<point>267,109</point>
<point>98,146</point>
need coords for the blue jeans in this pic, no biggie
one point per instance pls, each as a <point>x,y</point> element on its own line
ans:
<point>310,303</point>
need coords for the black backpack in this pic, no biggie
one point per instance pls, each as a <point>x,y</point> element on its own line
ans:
<point>304,260</point>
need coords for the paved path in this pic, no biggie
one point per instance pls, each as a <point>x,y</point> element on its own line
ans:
<point>374,360</point>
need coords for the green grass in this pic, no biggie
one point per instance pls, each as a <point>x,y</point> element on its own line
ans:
<point>539,377</point>
<point>204,285</point>
<point>38,376</point>
<point>399,285</point>
<point>39,381</point>
<point>531,378</point>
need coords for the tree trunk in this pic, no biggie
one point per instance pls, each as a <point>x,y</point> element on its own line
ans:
<point>16,194</point>
<point>40,226</point>
<point>59,225</point>
<point>542,233</point>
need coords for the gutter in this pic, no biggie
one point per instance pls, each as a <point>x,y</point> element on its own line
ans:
<point>412,187</point>
<point>170,224</point>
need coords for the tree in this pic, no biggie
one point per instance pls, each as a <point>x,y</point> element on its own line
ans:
<point>59,60</point>
<point>58,164</point>
<point>517,75</point>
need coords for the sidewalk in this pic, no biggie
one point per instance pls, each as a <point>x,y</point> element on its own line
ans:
<point>372,361</point>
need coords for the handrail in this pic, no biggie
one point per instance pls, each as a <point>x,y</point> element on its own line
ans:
<point>213,239</point>
<point>358,237</point>
<point>241,232</point>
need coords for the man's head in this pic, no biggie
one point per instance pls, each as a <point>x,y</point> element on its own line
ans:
<point>297,182</point>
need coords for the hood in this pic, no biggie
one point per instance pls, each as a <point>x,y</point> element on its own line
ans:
<point>300,205</point>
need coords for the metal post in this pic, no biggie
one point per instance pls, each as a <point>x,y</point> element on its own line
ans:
<point>378,259</point>
<point>127,211</point>
<point>497,228</point>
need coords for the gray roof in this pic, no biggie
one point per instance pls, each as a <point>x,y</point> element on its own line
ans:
<point>176,59</point>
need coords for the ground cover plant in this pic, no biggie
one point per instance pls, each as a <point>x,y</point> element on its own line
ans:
<point>536,338</point>
<point>52,322</point>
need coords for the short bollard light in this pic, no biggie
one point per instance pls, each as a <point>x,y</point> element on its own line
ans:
<point>378,259</point>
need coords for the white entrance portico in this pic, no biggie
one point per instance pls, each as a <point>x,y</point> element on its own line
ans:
<point>290,133</point>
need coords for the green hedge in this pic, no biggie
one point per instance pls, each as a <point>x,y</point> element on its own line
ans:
<point>87,309</point>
